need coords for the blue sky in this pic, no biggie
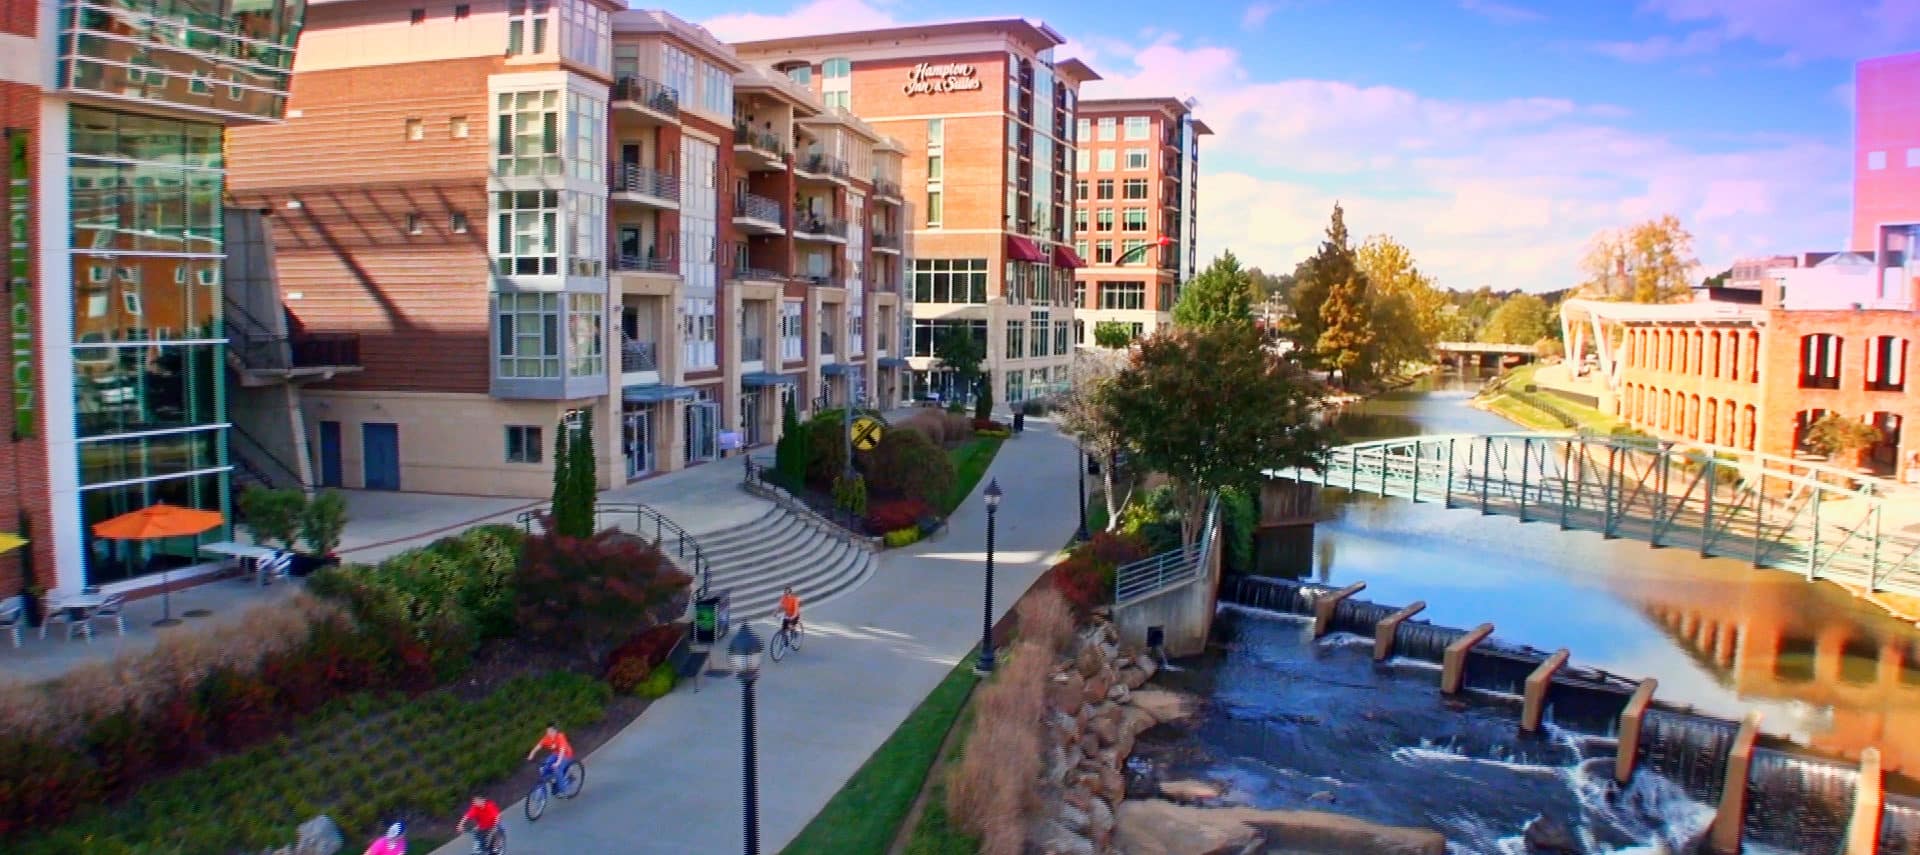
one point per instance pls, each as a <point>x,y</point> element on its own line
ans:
<point>1494,137</point>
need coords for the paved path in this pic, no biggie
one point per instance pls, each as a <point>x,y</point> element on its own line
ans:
<point>671,782</point>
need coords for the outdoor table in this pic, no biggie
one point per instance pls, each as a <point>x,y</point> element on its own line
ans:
<point>249,556</point>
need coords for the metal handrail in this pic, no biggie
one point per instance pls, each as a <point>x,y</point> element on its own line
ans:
<point>1171,568</point>
<point>759,208</point>
<point>650,264</point>
<point>235,431</point>
<point>765,141</point>
<point>647,91</point>
<point>814,224</point>
<point>634,178</point>
<point>258,347</point>
<point>807,506</point>
<point>639,356</point>
<point>685,546</point>
<point>885,240</point>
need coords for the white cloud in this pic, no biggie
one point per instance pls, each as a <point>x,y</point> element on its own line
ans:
<point>1501,12</point>
<point>1803,29</point>
<point>1256,16</point>
<point>1846,96</point>
<point>1503,192</point>
<point>812,19</point>
<point>1660,48</point>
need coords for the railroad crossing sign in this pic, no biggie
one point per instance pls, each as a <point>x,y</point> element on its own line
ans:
<point>866,432</point>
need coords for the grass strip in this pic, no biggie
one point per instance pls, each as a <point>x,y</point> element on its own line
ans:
<point>970,462</point>
<point>864,817</point>
<point>1514,409</point>
<point>937,833</point>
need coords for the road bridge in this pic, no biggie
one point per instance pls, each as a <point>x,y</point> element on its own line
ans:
<point>1484,353</point>
<point>1778,513</point>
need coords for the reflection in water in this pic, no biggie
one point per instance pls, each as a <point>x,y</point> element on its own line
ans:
<point>1826,670</point>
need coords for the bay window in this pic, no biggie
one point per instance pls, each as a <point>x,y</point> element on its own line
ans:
<point>792,331</point>
<point>527,334</point>
<point>586,133</point>
<point>527,22</point>
<point>587,37</point>
<point>527,233</point>
<point>586,320</point>
<point>527,133</point>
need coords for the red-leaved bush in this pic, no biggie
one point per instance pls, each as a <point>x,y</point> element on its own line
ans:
<point>895,514</point>
<point>593,591</point>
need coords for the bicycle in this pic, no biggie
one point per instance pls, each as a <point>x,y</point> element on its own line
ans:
<point>566,783</point>
<point>785,639</point>
<point>496,843</point>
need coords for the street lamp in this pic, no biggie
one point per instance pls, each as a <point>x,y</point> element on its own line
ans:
<point>1080,482</point>
<point>985,665</point>
<point>1134,254</point>
<point>745,654</point>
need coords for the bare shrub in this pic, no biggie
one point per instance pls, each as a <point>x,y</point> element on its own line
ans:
<point>959,427</point>
<point>992,789</point>
<point>1046,619</point>
<point>931,424</point>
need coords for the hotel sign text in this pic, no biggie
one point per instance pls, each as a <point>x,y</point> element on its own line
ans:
<point>931,78</point>
<point>19,220</point>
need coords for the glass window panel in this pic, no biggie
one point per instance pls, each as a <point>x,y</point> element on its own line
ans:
<point>112,561</point>
<point>136,389</point>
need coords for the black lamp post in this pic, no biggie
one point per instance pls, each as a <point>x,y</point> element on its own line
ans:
<point>745,652</point>
<point>985,665</point>
<point>1080,482</point>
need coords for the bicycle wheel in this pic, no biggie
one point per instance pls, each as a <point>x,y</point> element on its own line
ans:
<point>537,801</point>
<point>794,635</point>
<point>572,780</point>
<point>778,649</point>
<point>499,844</point>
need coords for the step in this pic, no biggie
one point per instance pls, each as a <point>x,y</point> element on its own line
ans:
<point>847,574</point>
<point>715,538</point>
<point>796,563</point>
<point>765,539</point>
<point>831,570</point>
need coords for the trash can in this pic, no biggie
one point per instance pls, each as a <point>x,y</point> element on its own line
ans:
<point>711,618</point>
<point>1019,420</point>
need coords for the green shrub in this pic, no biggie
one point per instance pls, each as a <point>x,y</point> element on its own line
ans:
<point>323,522</point>
<point>1240,520</point>
<point>657,684</point>
<point>826,448</point>
<point>903,537</point>
<point>850,494</point>
<point>983,404</point>
<point>273,516</point>
<point>790,452</point>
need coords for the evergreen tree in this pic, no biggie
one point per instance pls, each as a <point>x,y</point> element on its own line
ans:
<point>583,473</point>
<point>1315,280</point>
<point>790,452</point>
<point>1222,294</point>
<point>1349,339</point>
<point>559,507</point>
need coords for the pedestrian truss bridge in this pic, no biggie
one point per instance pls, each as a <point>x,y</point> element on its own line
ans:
<point>1819,521</point>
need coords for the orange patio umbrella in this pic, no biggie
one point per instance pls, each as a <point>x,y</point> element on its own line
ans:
<point>158,522</point>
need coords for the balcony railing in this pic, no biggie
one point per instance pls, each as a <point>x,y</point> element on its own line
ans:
<point>633,178</point>
<point>819,280</point>
<point>886,187</point>
<point>816,163</point>
<point>814,224</point>
<point>882,240</point>
<point>749,272</point>
<point>758,208</point>
<point>639,356</point>
<point>316,350</point>
<point>646,91</point>
<point>651,263</point>
<point>764,141</point>
<point>753,349</point>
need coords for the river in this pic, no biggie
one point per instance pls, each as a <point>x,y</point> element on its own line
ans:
<point>1297,724</point>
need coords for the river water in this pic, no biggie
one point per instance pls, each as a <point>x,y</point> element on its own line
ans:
<point>1296,723</point>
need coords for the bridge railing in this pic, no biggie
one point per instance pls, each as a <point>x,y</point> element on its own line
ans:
<point>1172,568</point>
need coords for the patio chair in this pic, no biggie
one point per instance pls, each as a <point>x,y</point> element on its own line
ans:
<point>13,615</point>
<point>113,609</point>
<point>75,619</point>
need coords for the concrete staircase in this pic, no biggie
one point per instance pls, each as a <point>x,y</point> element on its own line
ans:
<point>756,561</point>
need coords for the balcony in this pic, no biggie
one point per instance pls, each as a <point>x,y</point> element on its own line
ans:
<point>758,215</point>
<point>638,184</point>
<point>651,263</point>
<point>821,280</point>
<point>753,349</point>
<point>821,167</point>
<point>886,189</point>
<point>883,242</point>
<point>758,151</point>
<point>748,273</point>
<point>639,356</point>
<point>644,98</point>
<point>814,227</point>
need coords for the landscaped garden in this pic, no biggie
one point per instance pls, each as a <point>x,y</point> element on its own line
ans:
<point>391,692</point>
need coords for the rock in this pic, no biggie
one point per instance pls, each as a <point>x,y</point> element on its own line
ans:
<point>1133,677</point>
<point>1148,664</point>
<point>1157,827</point>
<point>1065,694</point>
<point>1079,798</point>
<point>1113,785</point>
<point>1096,688</point>
<point>1163,705</point>
<point>1105,727</point>
<point>1119,693</point>
<point>1059,765</point>
<point>1189,791</point>
<point>1100,816</point>
<point>1549,836</point>
<point>1051,837</point>
<point>1134,720</point>
<point>1073,818</point>
<point>319,836</point>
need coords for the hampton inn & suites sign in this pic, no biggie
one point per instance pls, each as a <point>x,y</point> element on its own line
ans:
<point>930,78</point>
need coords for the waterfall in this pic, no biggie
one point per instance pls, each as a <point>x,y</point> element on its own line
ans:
<point>1269,594</point>
<point>1586,701</point>
<point>1690,750</point>
<point>1500,671</point>
<point>1799,804</point>
<point>1900,826</point>
<point>1359,616</point>
<point>1425,641</point>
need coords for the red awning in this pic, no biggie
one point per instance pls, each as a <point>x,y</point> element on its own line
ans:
<point>1065,257</point>
<point>1021,249</point>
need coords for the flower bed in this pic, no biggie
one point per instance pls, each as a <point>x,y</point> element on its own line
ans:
<point>371,759</point>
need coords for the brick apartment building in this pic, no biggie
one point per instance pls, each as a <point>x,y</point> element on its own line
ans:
<point>535,212</point>
<point>985,119</point>
<point>118,374</point>
<point>1139,162</point>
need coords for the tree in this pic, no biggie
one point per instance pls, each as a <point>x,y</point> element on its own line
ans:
<point>573,479</point>
<point>585,471</point>
<point>1835,435</point>
<point>1348,338</point>
<point>1650,262</point>
<point>1408,312</point>
<point>1083,414</point>
<point>1112,335</point>
<point>1221,294</point>
<point>790,451</point>
<point>323,523</point>
<point>1210,409</point>
<point>1315,279</point>
<point>273,516</point>
<point>1270,286</point>
<point>960,352</point>
<point>1522,319</point>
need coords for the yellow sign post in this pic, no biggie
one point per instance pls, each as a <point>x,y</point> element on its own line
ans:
<point>865,433</point>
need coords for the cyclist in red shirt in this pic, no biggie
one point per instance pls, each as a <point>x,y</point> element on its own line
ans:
<point>482,818</point>
<point>561,751</point>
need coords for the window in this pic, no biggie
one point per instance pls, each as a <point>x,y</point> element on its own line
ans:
<point>528,128</point>
<point>1103,252</point>
<point>457,223</point>
<point>1136,158</point>
<point>1131,251</point>
<point>1037,325</point>
<point>1123,295</point>
<point>418,16</point>
<point>792,331</point>
<point>526,27</point>
<point>528,334</point>
<point>836,69</point>
<point>716,90</point>
<point>1136,188</point>
<point>1137,127</point>
<point>1060,344</point>
<point>1016,339</point>
<point>1103,189</point>
<point>1106,129</point>
<point>1887,364</point>
<point>1876,160</point>
<point>416,130</point>
<point>586,315</point>
<point>198,85</point>
<point>413,224</point>
<point>588,35</point>
<point>836,83</point>
<point>1079,219</point>
<point>933,208</point>
<point>950,280</point>
<point>1082,128</point>
<point>936,167</point>
<point>1104,220</point>
<point>462,11</point>
<point>936,133</point>
<point>457,127</point>
<point>697,331</point>
<point>677,71</point>
<point>1106,160</point>
<point>130,299</point>
<point>1913,158</point>
<point>523,441</point>
<point>1080,190</point>
<point>802,75</point>
<point>526,233</point>
<point>1134,220</point>
<point>586,121</point>
<point>1080,249</point>
<point>1082,160</point>
<point>926,332</point>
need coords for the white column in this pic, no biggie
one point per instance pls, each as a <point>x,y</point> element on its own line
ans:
<point>56,374</point>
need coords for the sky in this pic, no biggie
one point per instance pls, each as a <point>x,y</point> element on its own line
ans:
<point>1495,138</point>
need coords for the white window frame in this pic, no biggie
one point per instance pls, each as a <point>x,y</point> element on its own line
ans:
<point>1136,159</point>
<point>521,121</point>
<point>1107,126</point>
<point>1137,128</point>
<point>541,359</point>
<point>793,338</point>
<point>527,232</point>
<point>697,330</point>
<point>586,335</point>
<point>1106,160</point>
<point>529,24</point>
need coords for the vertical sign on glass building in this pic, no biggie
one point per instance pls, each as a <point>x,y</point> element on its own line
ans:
<point>19,293</point>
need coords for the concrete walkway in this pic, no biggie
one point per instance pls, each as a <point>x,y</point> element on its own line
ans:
<point>671,782</point>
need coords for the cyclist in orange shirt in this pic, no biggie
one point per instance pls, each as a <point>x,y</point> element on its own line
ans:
<point>789,610</point>
<point>561,751</point>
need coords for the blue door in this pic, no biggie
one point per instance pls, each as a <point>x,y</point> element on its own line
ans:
<point>382,446</point>
<point>330,454</point>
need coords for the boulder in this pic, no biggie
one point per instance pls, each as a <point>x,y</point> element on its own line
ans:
<point>1105,727</point>
<point>1190,791</point>
<point>1549,836</point>
<point>1113,785</point>
<point>1096,687</point>
<point>1065,694</point>
<point>1050,837</point>
<point>319,836</point>
<point>1133,677</point>
<point>1154,827</point>
<point>1059,765</point>
<point>1163,705</point>
<point>1073,818</point>
<point>1119,693</point>
<point>1157,827</point>
<point>1134,720</point>
<point>1148,664</point>
<point>1078,797</point>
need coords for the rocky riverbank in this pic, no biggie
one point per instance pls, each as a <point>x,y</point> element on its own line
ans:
<point>1097,705</point>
